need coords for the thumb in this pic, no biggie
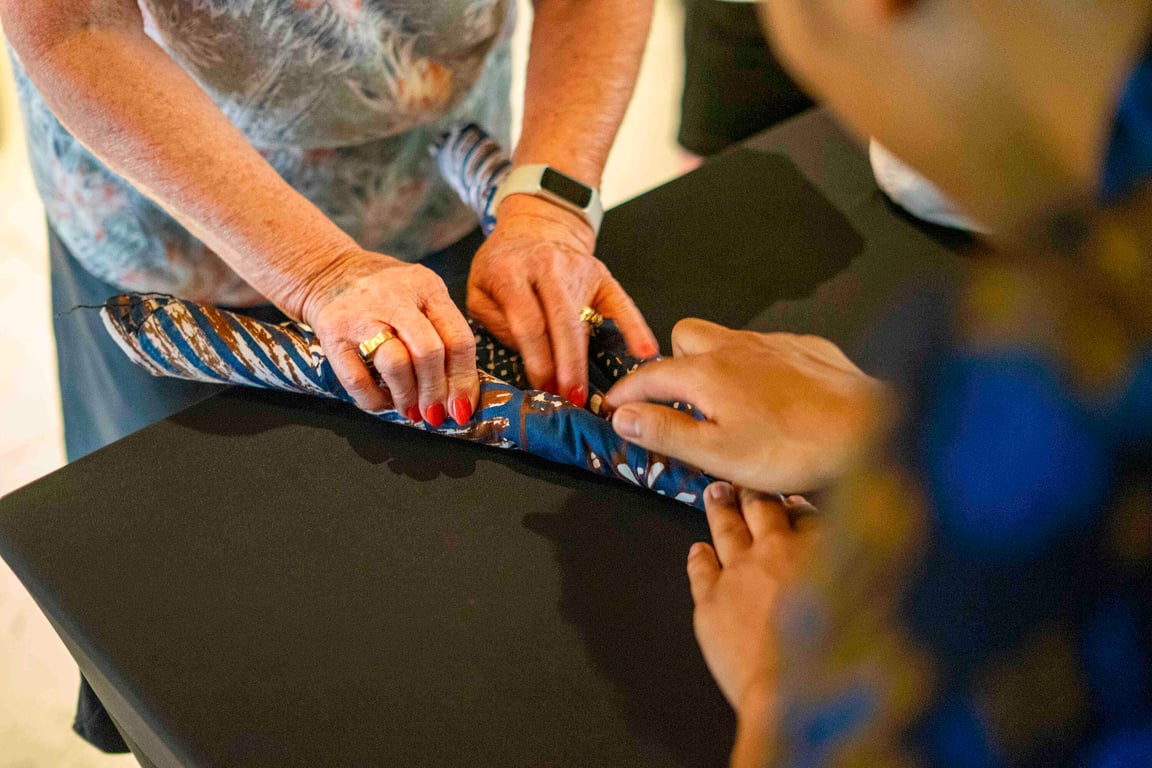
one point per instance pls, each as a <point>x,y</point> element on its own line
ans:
<point>664,430</point>
<point>703,569</point>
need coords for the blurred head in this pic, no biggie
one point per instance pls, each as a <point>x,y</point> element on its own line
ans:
<point>1006,104</point>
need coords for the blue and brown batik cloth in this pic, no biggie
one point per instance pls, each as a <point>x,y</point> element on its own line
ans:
<point>172,337</point>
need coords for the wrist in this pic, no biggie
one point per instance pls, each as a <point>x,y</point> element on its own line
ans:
<point>756,726</point>
<point>321,279</point>
<point>584,170</point>
<point>538,213</point>
<point>758,701</point>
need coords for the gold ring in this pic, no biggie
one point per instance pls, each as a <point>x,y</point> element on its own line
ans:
<point>369,347</point>
<point>592,317</point>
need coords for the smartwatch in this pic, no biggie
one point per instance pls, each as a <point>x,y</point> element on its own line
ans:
<point>546,182</point>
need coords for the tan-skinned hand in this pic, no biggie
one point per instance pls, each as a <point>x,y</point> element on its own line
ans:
<point>783,412</point>
<point>429,370</point>
<point>759,544</point>
<point>529,283</point>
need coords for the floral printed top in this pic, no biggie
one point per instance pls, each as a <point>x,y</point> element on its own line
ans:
<point>343,98</point>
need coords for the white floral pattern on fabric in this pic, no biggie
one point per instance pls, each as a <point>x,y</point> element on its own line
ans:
<point>342,97</point>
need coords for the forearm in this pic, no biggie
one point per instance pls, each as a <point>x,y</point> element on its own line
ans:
<point>133,107</point>
<point>581,72</point>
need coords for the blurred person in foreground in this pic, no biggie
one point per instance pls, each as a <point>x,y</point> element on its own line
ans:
<point>976,593</point>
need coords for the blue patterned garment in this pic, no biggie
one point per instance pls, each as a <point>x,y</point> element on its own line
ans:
<point>341,97</point>
<point>983,596</point>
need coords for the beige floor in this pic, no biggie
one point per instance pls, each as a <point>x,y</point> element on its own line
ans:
<point>37,677</point>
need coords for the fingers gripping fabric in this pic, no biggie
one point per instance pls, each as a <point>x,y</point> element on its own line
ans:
<point>171,337</point>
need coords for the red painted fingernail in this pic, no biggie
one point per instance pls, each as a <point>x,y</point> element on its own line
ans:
<point>434,415</point>
<point>577,397</point>
<point>461,410</point>
<point>413,414</point>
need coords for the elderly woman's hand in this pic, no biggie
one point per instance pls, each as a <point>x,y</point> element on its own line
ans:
<point>531,280</point>
<point>428,370</point>
<point>783,412</point>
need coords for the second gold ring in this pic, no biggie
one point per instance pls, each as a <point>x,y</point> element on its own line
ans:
<point>590,316</point>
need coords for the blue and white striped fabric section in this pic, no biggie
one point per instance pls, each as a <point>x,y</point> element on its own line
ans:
<point>474,164</point>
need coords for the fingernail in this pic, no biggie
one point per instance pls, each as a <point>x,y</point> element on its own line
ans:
<point>626,424</point>
<point>434,415</point>
<point>461,410</point>
<point>719,492</point>
<point>577,397</point>
<point>413,414</point>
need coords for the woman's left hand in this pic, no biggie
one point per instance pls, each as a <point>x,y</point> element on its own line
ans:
<point>529,283</point>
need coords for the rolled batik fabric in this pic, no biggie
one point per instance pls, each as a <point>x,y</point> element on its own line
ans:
<point>171,337</point>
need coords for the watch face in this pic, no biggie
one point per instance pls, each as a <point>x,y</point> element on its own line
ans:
<point>565,187</point>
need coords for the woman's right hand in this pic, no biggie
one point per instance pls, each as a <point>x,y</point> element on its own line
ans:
<point>428,371</point>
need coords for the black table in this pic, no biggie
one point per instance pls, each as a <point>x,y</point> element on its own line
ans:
<point>268,579</point>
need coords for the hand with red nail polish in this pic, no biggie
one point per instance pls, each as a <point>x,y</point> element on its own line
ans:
<point>529,283</point>
<point>413,414</point>
<point>429,351</point>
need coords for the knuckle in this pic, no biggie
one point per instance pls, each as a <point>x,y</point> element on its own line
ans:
<point>390,366</point>
<point>655,428</point>
<point>403,391</point>
<point>426,351</point>
<point>403,398</point>
<point>359,384</point>
<point>460,342</point>
<point>533,330</point>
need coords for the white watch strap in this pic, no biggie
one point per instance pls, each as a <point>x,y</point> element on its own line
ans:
<point>525,180</point>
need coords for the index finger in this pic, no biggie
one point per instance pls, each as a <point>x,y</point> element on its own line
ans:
<point>730,534</point>
<point>668,380</point>
<point>693,336</point>
<point>568,339</point>
<point>611,300</point>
